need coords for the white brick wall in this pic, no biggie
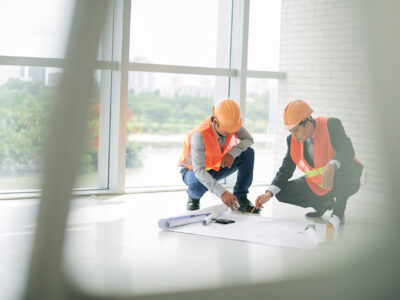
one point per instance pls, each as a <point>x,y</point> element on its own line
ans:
<point>324,53</point>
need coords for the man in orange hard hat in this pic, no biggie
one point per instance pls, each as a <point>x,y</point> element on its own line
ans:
<point>321,149</point>
<point>212,151</point>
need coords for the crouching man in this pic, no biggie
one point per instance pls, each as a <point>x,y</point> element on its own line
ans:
<point>321,149</point>
<point>214,150</point>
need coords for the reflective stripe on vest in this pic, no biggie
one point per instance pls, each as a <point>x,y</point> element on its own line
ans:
<point>314,172</point>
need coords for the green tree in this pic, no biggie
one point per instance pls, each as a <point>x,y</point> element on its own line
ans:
<point>159,114</point>
<point>257,113</point>
<point>25,111</point>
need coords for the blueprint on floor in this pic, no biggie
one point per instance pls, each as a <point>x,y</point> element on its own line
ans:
<point>258,229</point>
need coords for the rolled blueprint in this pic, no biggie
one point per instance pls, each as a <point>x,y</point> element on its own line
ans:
<point>335,221</point>
<point>192,217</point>
<point>207,220</point>
<point>313,235</point>
<point>182,220</point>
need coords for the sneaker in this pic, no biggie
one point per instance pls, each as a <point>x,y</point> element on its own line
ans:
<point>193,204</point>
<point>246,206</point>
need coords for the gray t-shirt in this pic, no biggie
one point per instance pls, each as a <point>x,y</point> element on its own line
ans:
<point>197,157</point>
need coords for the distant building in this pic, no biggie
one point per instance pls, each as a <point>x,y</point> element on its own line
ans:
<point>142,82</point>
<point>53,79</point>
<point>36,73</point>
<point>195,91</point>
<point>31,73</point>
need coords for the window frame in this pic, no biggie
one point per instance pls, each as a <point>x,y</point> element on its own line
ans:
<point>114,54</point>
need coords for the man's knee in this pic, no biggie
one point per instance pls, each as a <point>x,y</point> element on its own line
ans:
<point>346,187</point>
<point>246,156</point>
<point>282,197</point>
<point>197,189</point>
<point>249,152</point>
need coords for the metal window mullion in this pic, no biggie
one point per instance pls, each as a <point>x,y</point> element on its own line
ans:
<point>108,64</point>
<point>105,102</point>
<point>119,96</point>
<point>239,50</point>
<point>223,39</point>
<point>160,68</point>
<point>266,74</point>
<point>238,58</point>
<point>47,62</point>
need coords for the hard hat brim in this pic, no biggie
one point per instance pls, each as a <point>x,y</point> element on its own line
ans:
<point>291,126</point>
<point>231,128</point>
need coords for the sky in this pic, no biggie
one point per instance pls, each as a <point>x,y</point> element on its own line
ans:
<point>36,28</point>
<point>158,26</point>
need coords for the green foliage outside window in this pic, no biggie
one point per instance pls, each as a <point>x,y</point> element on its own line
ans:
<point>25,109</point>
<point>166,115</point>
<point>180,114</point>
<point>24,114</point>
<point>257,113</point>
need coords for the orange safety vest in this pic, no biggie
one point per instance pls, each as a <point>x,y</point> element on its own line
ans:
<point>323,153</point>
<point>213,151</point>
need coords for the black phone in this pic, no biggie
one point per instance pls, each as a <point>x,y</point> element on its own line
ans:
<point>223,221</point>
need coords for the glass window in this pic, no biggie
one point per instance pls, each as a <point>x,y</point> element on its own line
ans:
<point>26,98</point>
<point>264,35</point>
<point>35,28</point>
<point>260,114</point>
<point>177,32</point>
<point>162,109</point>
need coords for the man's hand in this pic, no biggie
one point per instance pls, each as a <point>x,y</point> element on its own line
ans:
<point>230,200</point>
<point>263,199</point>
<point>328,176</point>
<point>227,161</point>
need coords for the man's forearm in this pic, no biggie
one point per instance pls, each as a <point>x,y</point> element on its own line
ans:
<point>239,148</point>
<point>246,140</point>
<point>209,182</point>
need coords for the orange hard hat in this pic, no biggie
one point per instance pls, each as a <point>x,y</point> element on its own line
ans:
<point>295,112</point>
<point>227,114</point>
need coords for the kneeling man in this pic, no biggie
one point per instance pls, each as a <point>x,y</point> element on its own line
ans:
<point>215,149</point>
<point>321,149</point>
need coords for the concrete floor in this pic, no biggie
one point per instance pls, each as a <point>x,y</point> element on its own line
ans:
<point>114,246</point>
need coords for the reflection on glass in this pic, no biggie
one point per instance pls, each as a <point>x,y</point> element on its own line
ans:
<point>176,32</point>
<point>26,100</point>
<point>260,117</point>
<point>162,109</point>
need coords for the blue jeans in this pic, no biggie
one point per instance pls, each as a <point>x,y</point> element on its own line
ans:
<point>244,164</point>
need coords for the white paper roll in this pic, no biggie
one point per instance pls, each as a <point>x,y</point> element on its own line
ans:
<point>335,221</point>
<point>192,216</point>
<point>183,221</point>
<point>313,235</point>
<point>207,220</point>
